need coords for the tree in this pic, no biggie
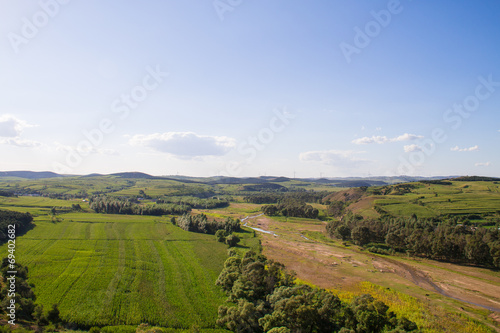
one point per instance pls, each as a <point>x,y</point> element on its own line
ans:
<point>336,208</point>
<point>361,235</point>
<point>343,232</point>
<point>39,316</point>
<point>477,251</point>
<point>220,235</point>
<point>243,318</point>
<point>232,240</point>
<point>368,314</point>
<point>53,314</point>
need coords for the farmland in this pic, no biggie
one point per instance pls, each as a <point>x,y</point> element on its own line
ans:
<point>118,269</point>
<point>111,270</point>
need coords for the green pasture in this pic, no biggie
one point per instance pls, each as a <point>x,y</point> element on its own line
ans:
<point>460,198</point>
<point>124,270</point>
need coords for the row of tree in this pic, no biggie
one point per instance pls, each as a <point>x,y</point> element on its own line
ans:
<point>440,240</point>
<point>196,203</point>
<point>272,198</point>
<point>200,223</point>
<point>108,205</point>
<point>267,299</point>
<point>291,207</point>
<point>21,221</point>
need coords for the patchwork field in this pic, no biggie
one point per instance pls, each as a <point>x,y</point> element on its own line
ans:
<point>110,270</point>
<point>456,198</point>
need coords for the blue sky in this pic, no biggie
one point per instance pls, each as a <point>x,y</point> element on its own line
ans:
<point>250,88</point>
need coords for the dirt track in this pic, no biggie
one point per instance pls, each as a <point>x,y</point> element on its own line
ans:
<point>332,267</point>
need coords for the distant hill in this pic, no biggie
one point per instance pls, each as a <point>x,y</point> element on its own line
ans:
<point>338,181</point>
<point>133,175</point>
<point>30,174</point>
<point>475,179</point>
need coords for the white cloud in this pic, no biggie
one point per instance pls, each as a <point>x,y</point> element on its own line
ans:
<point>340,158</point>
<point>406,137</point>
<point>374,139</point>
<point>412,148</point>
<point>383,139</point>
<point>487,164</point>
<point>185,144</point>
<point>12,127</point>
<point>20,142</point>
<point>457,148</point>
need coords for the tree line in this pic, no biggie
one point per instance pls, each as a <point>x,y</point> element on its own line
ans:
<point>273,198</point>
<point>107,205</point>
<point>194,202</point>
<point>439,240</point>
<point>291,207</point>
<point>201,224</point>
<point>22,222</point>
<point>263,297</point>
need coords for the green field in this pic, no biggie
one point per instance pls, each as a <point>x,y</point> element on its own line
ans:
<point>459,198</point>
<point>117,269</point>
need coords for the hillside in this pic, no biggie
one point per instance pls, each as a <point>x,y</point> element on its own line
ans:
<point>476,199</point>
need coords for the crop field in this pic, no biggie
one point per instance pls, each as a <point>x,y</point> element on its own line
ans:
<point>124,270</point>
<point>460,198</point>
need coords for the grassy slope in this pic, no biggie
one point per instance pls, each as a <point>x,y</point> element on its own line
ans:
<point>429,200</point>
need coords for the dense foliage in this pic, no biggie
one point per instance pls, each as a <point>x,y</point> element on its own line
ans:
<point>267,300</point>
<point>24,295</point>
<point>272,197</point>
<point>22,222</point>
<point>194,202</point>
<point>107,205</point>
<point>6,193</point>
<point>447,241</point>
<point>200,223</point>
<point>291,207</point>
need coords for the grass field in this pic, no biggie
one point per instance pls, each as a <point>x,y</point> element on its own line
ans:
<point>122,270</point>
<point>460,198</point>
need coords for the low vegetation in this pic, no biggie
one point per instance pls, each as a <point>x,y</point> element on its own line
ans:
<point>267,299</point>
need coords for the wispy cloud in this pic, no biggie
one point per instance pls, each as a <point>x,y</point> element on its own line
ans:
<point>486,164</point>
<point>457,148</point>
<point>185,144</point>
<point>12,127</point>
<point>412,148</point>
<point>383,139</point>
<point>20,142</point>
